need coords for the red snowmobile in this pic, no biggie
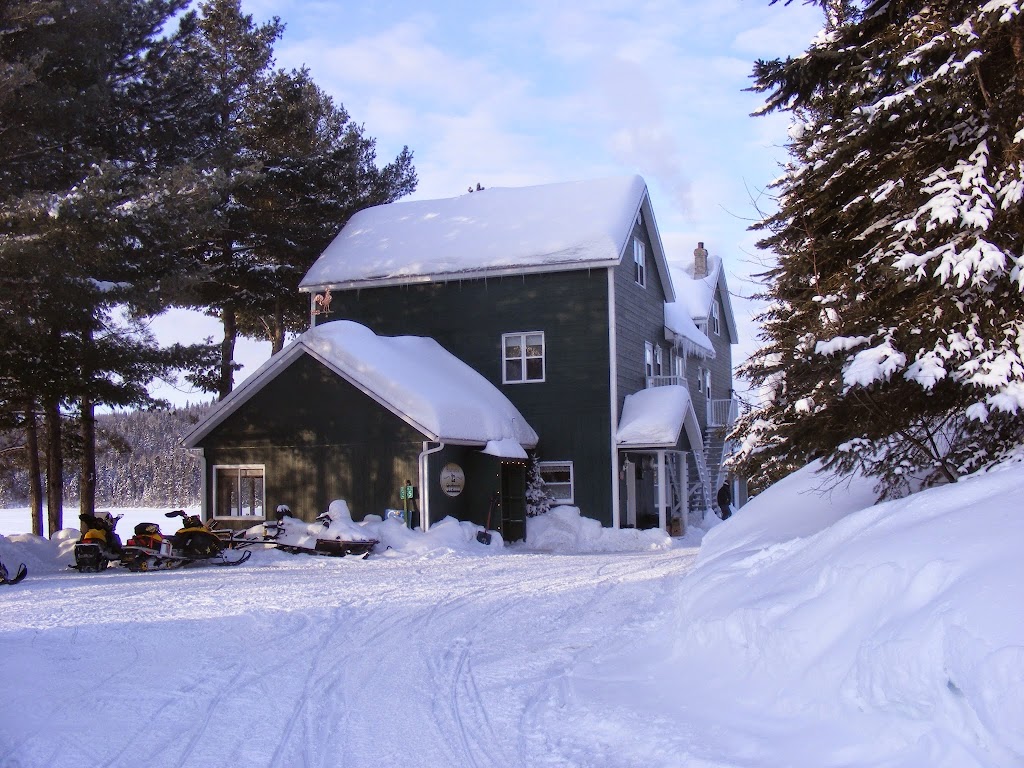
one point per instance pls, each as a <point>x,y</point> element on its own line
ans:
<point>193,544</point>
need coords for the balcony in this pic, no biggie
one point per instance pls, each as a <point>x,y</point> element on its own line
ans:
<point>722,413</point>
<point>665,381</point>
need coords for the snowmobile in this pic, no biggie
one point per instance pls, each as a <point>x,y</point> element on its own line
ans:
<point>99,544</point>
<point>193,544</point>
<point>6,578</point>
<point>337,543</point>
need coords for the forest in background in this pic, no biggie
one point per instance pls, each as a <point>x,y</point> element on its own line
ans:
<point>139,463</point>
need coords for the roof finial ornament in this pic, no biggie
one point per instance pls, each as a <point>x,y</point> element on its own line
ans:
<point>700,261</point>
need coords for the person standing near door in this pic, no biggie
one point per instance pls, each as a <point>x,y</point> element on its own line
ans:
<point>725,501</point>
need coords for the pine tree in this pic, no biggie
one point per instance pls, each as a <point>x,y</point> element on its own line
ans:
<point>285,168</point>
<point>538,500</point>
<point>893,338</point>
<point>318,168</point>
<point>86,189</point>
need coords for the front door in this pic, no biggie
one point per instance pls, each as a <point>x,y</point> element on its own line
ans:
<point>513,501</point>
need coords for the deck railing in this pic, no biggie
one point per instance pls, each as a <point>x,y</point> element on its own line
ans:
<point>722,413</point>
<point>665,381</point>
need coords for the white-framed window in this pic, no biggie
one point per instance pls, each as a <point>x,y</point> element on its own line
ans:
<point>679,367</point>
<point>707,382</point>
<point>700,378</point>
<point>522,357</point>
<point>659,361</point>
<point>639,262</point>
<point>558,480</point>
<point>714,321</point>
<point>648,359</point>
<point>238,490</point>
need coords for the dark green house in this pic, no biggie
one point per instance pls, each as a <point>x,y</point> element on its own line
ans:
<point>558,297</point>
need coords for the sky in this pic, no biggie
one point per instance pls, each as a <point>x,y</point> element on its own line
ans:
<point>812,628</point>
<point>515,94</point>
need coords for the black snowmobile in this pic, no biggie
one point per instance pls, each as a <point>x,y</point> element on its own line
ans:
<point>335,547</point>
<point>194,544</point>
<point>6,578</point>
<point>99,544</point>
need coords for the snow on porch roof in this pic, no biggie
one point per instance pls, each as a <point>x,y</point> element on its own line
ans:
<point>413,376</point>
<point>654,418</point>
<point>570,225</point>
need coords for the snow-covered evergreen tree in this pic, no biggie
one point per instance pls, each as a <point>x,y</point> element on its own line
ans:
<point>895,332</point>
<point>538,500</point>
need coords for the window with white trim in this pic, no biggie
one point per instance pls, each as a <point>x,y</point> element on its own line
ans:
<point>639,262</point>
<point>659,361</point>
<point>238,490</point>
<point>679,367</point>
<point>715,323</point>
<point>558,480</point>
<point>522,357</point>
<point>648,359</point>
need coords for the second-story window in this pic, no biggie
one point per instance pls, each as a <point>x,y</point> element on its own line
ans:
<point>714,321</point>
<point>523,357</point>
<point>639,262</point>
<point>648,359</point>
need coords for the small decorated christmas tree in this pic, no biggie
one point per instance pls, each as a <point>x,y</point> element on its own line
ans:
<point>537,499</point>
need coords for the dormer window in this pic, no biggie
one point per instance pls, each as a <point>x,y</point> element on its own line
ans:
<point>639,262</point>
<point>714,321</point>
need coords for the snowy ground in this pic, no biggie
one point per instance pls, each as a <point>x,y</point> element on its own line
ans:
<point>807,630</point>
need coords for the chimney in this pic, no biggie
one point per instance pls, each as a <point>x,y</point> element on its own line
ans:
<point>700,261</point>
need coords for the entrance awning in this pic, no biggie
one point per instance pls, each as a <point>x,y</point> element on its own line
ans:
<point>655,418</point>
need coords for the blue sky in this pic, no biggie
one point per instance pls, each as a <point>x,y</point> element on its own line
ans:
<point>520,93</point>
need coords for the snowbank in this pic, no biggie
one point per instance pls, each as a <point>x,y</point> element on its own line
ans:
<point>565,530</point>
<point>889,635</point>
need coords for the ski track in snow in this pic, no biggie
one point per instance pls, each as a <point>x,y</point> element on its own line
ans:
<point>425,661</point>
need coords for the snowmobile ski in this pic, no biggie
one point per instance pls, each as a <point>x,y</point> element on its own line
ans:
<point>5,577</point>
<point>142,559</point>
<point>223,560</point>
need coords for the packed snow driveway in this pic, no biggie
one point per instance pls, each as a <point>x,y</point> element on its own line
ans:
<point>301,661</point>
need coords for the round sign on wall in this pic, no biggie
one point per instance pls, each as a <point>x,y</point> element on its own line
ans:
<point>453,479</point>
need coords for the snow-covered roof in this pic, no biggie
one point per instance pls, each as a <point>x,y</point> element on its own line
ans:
<point>495,231</point>
<point>414,377</point>
<point>683,330</point>
<point>655,417</point>
<point>693,296</point>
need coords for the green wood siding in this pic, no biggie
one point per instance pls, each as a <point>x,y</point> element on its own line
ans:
<point>569,410</point>
<point>321,439</point>
<point>640,315</point>
<point>720,367</point>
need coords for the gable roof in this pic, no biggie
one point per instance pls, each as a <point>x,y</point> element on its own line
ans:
<point>655,417</point>
<point>695,295</point>
<point>412,376</point>
<point>496,231</point>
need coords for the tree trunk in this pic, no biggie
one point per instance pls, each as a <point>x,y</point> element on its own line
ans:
<point>277,331</point>
<point>35,471</point>
<point>54,466</point>
<point>227,351</point>
<point>87,469</point>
